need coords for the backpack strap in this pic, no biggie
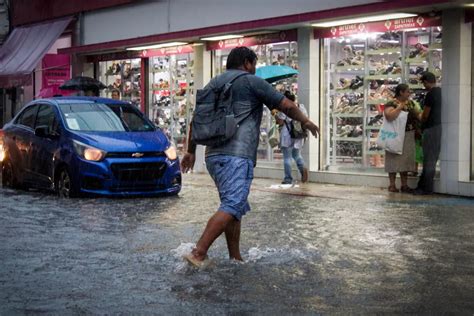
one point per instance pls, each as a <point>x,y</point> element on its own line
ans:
<point>218,91</point>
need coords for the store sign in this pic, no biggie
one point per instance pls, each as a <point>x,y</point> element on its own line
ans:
<point>175,50</point>
<point>283,36</point>
<point>382,26</point>
<point>114,56</point>
<point>56,69</point>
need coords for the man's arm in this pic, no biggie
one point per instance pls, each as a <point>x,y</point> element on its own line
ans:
<point>291,109</point>
<point>425,114</point>
<point>187,163</point>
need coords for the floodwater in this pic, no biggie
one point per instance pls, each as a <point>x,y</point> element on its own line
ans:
<point>304,255</point>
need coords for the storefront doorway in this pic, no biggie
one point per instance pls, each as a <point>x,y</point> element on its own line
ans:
<point>362,65</point>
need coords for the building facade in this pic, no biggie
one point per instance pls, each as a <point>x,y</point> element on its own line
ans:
<point>156,54</point>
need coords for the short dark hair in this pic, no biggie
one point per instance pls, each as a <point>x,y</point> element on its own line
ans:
<point>238,56</point>
<point>428,77</point>
<point>401,87</point>
<point>115,90</point>
<point>289,95</point>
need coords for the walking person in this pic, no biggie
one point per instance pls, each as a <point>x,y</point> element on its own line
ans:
<point>405,162</point>
<point>291,147</point>
<point>231,164</point>
<point>431,126</point>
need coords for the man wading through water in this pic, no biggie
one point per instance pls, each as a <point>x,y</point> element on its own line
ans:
<point>231,165</point>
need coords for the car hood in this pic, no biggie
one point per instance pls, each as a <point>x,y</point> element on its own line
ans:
<point>125,141</point>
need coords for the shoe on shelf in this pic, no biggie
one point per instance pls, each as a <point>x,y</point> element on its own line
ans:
<point>406,189</point>
<point>393,189</point>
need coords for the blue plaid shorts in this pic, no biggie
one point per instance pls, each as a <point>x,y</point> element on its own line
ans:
<point>233,177</point>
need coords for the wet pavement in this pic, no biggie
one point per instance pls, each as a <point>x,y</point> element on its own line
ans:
<point>316,249</point>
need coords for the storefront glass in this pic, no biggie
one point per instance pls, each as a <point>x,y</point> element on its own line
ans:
<point>171,95</point>
<point>361,70</point>
<point>124,76</point>
<point>271,49</point>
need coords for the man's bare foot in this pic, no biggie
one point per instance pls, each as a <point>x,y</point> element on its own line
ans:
<point>196,262</point>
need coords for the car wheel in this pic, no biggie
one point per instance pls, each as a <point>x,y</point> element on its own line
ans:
<point>65,186</point>
<point>8,178</point>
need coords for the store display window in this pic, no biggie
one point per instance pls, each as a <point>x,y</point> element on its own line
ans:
<point>122,78</point>
<point>361,70</point>
<point>270,50</point>
<point>172,95</point>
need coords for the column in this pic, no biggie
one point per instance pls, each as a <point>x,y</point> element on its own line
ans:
<point>308,89</point>
<point>202,75</point>
<point>456,106</point>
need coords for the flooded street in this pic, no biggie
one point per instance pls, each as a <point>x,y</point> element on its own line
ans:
<point>304,254</point>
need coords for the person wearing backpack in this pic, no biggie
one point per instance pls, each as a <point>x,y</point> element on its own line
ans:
<point>230,162</point>
<point>291,143</point>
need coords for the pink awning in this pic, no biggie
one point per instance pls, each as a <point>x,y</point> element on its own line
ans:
<point>25,47</point>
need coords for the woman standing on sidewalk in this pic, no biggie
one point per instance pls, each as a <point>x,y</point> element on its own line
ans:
<point>405,162</point>
<point>291,147</point>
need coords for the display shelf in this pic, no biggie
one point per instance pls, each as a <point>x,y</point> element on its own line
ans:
<point>416,86</point>
<point>348,139</point>
<point>384,51</point>
<point>416,61</point>
<point>350,68</point>
<point>346,115</point>
<point>377,102</point>
<point>384,77</point>
<point>348,91</point>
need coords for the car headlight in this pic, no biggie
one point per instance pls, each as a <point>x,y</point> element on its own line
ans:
<point>2,152</point>
<point>88,152</point>
<point>171,153</point>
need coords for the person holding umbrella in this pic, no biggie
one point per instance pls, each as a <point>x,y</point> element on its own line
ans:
<point>89,86</point>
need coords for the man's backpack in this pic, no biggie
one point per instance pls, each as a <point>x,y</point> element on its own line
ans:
<point>214,122</point>
<point>296,130</point>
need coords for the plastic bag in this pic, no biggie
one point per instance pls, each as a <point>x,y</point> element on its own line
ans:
<point>392,134</point>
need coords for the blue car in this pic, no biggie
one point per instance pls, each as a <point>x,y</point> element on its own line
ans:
<point>88,145</point>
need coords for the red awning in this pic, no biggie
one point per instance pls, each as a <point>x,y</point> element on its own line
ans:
<point>25,47</point>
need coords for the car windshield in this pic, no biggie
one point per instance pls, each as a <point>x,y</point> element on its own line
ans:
<point>99,117</point>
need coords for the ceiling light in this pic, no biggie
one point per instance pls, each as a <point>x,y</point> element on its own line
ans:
<point>470,5</point>
<point>221,37</point>
<point>365,19</point>
<point>157,46</point>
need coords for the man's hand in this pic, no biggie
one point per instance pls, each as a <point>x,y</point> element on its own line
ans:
<point>313,128</point>
<point>187,163</point>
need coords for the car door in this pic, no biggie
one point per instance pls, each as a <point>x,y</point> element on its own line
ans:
<point>19,143</point>
<point>43,148</point>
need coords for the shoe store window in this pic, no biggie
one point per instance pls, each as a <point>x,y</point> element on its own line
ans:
<point>122,76</point>
<point>361,70</point>
<point>271,49</point>
<point>171,95</point>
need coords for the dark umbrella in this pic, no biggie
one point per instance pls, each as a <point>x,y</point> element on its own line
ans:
<point>83,83</point>
<point>274,73</point>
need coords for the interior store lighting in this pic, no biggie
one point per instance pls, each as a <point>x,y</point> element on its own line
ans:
<point>365,19</point>
<point>221,37</point>
<point>157,46</point>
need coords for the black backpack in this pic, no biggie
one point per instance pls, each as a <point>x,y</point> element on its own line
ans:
<point>214,122</point>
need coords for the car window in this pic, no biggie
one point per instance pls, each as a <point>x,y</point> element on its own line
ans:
<point>103,118</point>
<point>47,117</point>
<point>27,117</point>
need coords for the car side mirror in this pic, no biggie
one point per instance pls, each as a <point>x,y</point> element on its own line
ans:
<point>42,131</point>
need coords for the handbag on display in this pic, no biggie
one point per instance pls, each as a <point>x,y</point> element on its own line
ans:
<point>392,134</point>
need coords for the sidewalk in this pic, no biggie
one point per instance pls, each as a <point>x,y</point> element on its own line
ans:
<point>331,191</point>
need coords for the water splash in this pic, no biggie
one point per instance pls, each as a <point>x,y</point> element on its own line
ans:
<point>181,265</point>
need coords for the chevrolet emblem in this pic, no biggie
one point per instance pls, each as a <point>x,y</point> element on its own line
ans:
<point>138,155</point>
